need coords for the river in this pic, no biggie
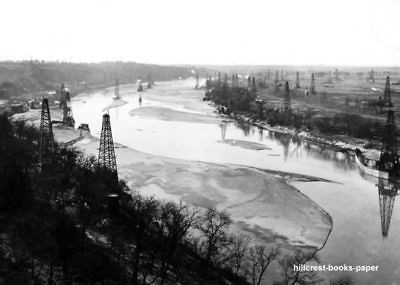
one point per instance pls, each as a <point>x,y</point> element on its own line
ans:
<point>352,202</point>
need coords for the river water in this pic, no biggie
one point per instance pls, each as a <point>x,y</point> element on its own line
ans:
<point>353,203</point>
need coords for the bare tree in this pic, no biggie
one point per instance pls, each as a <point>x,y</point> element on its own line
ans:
<point>292,276</point>
<point>213,226</point>
<point>260,258</point>
<point>238,251</point>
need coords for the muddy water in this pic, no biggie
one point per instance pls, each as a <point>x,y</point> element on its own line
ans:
<point>353,203</point>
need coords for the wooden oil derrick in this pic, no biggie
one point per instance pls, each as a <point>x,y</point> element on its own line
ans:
<point>106,158</point>
<point>337,74</point>
<point>387,195</point>
<point>62,98</point>
<point>237,80</point>
<point>387,94</point>
<point>46,142</point>
<point>140,86</point>
<point>260,103</point>
<point>297,80</point>
<point>312,85</point>
<point>197,82</point>
<point>226,80</point>
<point>149,82</point>
<point>286,106</point>
<point>371,76</point>
<point>253,85</point>
<point>389,160</point>
<point>249,83</point>
<point>330,79</point>
<point>276,81</point>
<point>233,81</point>
<point>67,110</point>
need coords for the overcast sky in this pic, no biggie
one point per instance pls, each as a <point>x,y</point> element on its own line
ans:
<point>332,32</point>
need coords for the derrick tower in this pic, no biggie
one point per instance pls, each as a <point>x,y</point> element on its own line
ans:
<point>286,100</point>
<point>62,99</point>
<point>116,92</point>
<point>330,79</point>
<point>297,80</point>
<point>389,160</point>
<point>253,85</point>
<point>276,81</point>
<point>312,84</point>
<point>226,79</point>
<point>386,94</point>
<point>150,82</point>
<point>233,81</point>
<point>46,142</point>
<point>249,83</point>
<point>387,195</point>
<point>371,76</point>
<point>67,110</point>
<point>106,157</point>
<point>336,74</point>
<point>197,82</point>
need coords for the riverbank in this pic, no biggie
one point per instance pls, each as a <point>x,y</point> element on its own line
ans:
<point>262,203</point>
<point>337,142</point>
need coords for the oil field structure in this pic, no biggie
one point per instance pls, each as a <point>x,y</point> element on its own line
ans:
<point>46,141</point>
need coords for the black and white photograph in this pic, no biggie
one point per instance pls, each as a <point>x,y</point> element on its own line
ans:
<point>199,142</point>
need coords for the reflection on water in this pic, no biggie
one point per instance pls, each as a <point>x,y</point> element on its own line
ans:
<point>387,195</point>
<point>296,146</point>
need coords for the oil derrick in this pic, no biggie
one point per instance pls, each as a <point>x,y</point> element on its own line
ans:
<point>219,77</point>
<point>106,157</point>
<point>276,81</point>
<point>386,94</point>
<point>140,86</point>
<point>371,76</point>
<point>297,80</point>
<point>62,99</point>
<point>237,80</point>
<point>46,142</point>
<point>197,82</point>
<point>389,160</point>
<point>226,80</point>
<point>233,81</point>
<point>149,82</point>
<point>312,85</point>
<point>286,107</point>
<point>253,85</point>
<point>330,79</point>
<point>337,74</point>
<point>249,83</point>
<point>67,110</point>
<point>116,92</point>
<point>387,196</point>
<point>260,103</point>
